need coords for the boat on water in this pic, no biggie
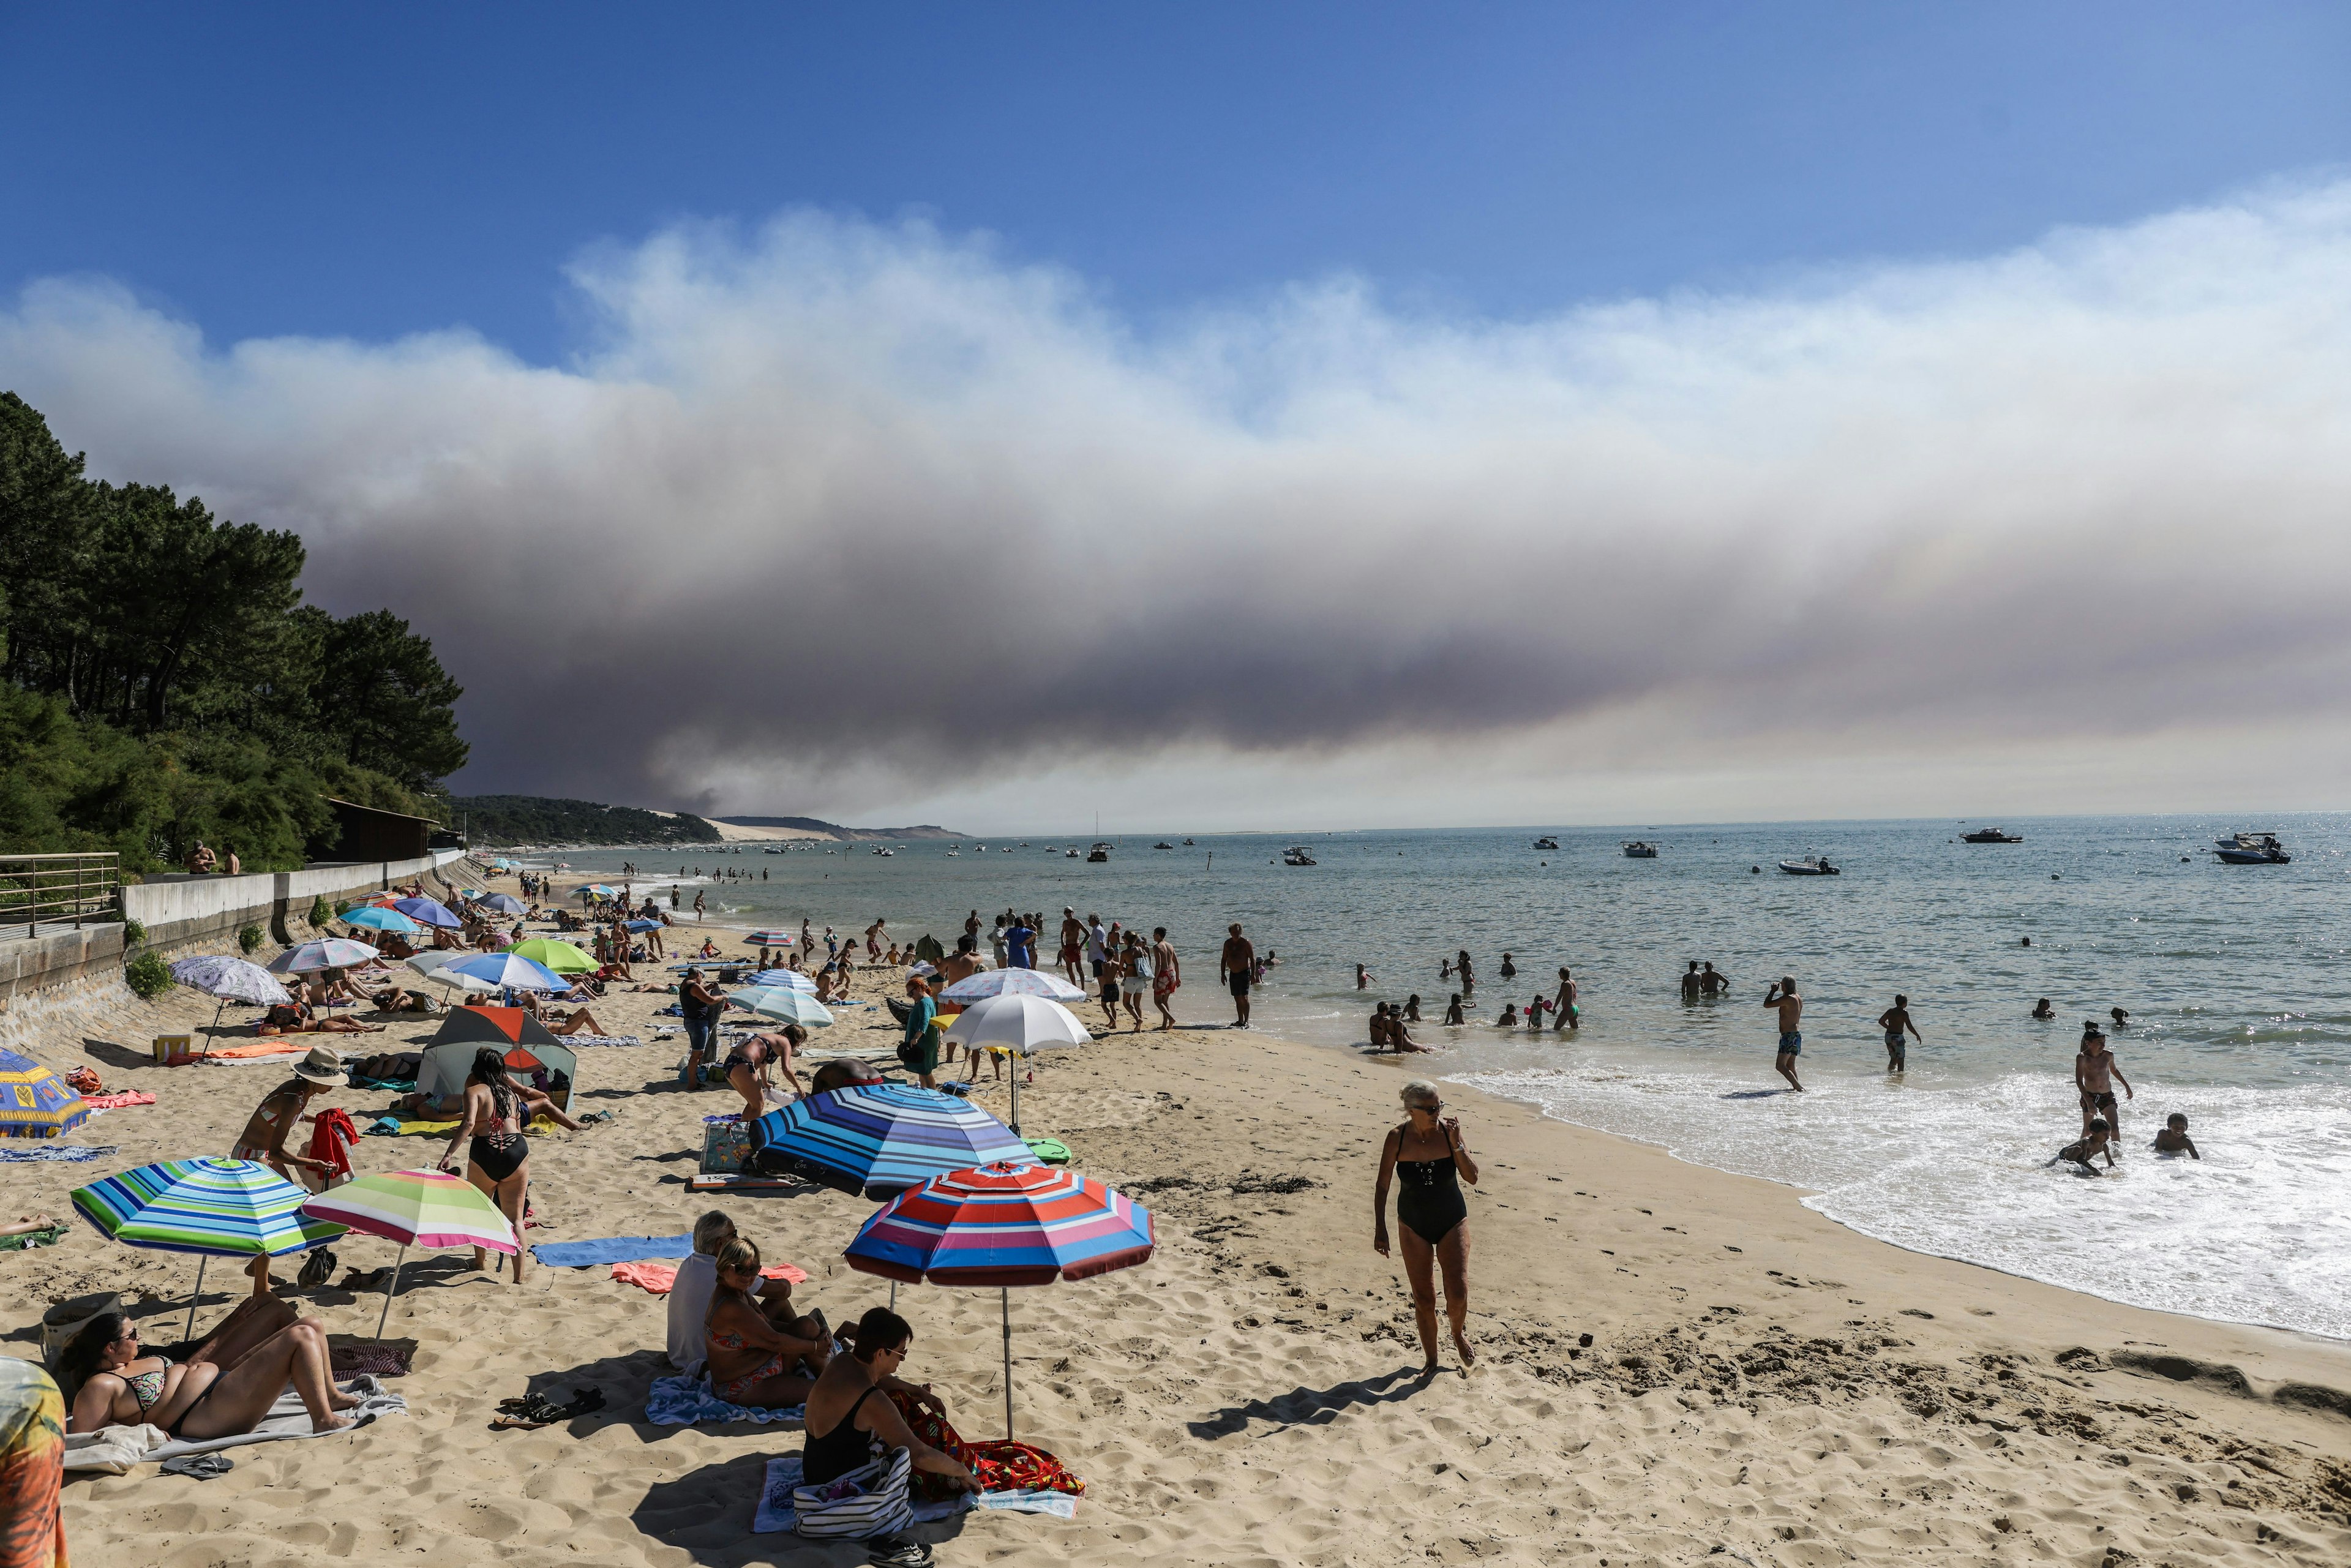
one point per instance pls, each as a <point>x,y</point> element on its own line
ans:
<point>2252,848</point>
<point>1187,841</point>
<point>1638,850</point>
<point>1991,836</point>
<point>1072,854</point>
<point>1811,865</point>
<point>1096,855</point>
<point>955,854</point>
<point>881,849</point>
<point>1162,844</point>
<point>1296,855</point>
<point>1546,843</point>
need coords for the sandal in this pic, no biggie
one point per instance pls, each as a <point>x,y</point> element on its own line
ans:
<point>897,1551</point>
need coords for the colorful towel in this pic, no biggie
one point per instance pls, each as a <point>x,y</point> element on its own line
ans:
<point>576,1039</point>
<point>24,1240</point>
<point>400,1125</point>
<point>332,1138</point>
<point>32,1468</point>
<point>276,1045</point>
<point>611,1249</point>
<point>69,1152</point>
<point>117,1102</point>
<point>658,1278</point>
<point>689,1402</point>
<point>1004,1465</point>
<point>774,1512</point>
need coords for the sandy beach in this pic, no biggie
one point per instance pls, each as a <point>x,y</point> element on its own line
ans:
<point>1675,1364</point>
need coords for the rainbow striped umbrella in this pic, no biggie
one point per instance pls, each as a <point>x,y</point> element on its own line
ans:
<point>35,1102</point>
<point>1004,1225</point>
<point>415,1209</point>
<point>213,1207</point>
<point>879,1139</point>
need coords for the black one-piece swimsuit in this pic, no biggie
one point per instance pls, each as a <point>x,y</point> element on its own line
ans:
<point>1429,1199</point>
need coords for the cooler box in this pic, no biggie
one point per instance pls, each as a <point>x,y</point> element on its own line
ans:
<point>168,1046</point>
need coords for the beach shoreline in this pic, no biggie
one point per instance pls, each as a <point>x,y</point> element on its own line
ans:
<point>1760,1377</point>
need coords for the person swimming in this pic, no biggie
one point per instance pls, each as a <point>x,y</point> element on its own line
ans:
<point>2174,1138</point>
<point>2041,1010</point>
<point>2093,1143</point>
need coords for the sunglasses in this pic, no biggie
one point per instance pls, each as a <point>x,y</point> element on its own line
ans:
<point>1432,1110</point>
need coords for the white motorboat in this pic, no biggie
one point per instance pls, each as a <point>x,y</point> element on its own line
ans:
<point>2252,848</point>
<point>1811,865</point>
<point>1640,849</point>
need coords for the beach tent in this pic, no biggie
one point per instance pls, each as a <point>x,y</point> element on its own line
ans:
<point>480,1025</point>
<point>550,1068</point>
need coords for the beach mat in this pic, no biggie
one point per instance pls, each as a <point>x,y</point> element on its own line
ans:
<point>775,1511</point>
<point>689,1402</point>
<point>659,1278</point>
<point>611,1249</point>
<point>117,1448</point>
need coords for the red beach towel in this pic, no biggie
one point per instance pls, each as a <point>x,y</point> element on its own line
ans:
<point>659,1277</point>
<point>332,1138</point>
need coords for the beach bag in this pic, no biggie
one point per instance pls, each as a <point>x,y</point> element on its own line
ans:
<point>869,1500</point>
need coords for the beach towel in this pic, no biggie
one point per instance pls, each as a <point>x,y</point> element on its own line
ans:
<point>399,1124</point>
<point>117,1448</point>
<point>600,1039</point>
<point>402,1085</point>
<point>274,1045</point>
<point>117,1102</point>
<point>775,1511</point>
<point>67,1151</point>
<point>999,1466</point>
<point>332,1138</point>
<point>611,1249</point>
<point>26,1240</point>
<point>689,1402</point>
<point>658,1278</point>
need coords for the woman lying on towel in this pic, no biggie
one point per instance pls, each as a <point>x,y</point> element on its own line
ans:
<point>751,1358</point>
<point>113,1384</point>
<point>296,1017</point>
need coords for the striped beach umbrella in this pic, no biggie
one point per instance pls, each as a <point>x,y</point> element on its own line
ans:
<point>879,1139</point>
<point>785,1004</point>
<point>790,979</point>
<point>431,911</point>
<point>1004,1225</point>
<point>415,1209</point>
<point>769,939</point>
<point>326,953</point>
<point>213,1207</point>
<point>561,957</point>
<point>35,1102</point>
<point>1011,983</point>
<point>508,972</point>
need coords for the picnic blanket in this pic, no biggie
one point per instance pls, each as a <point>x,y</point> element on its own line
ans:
<point>774,1512</point>
<point>658,1278</point>
<point>116,1449</point>
<point>689,1402</point>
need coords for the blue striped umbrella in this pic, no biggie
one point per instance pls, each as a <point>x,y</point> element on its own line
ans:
<point>213,1207</point>
<point>791,979</point>
<point>879,1139</point>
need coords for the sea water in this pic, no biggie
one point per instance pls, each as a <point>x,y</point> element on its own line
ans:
<point>2235,979</point>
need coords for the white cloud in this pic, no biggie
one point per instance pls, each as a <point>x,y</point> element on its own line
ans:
<point>852,517</point>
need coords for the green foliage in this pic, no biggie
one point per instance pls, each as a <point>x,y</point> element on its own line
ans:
<point>320,913</point>
<point>535,820</point>
<point>147,974</point>
<point>250,937</point>
<point>133,934</point>
<point>161,682</point>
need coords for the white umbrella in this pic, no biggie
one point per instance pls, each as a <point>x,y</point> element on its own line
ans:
<point>230,980</point>
<point>783,1004</point>
<point>1011,983</point>
<point>329,953</point>
<point>435,967</point>
<point>1020,1023</point>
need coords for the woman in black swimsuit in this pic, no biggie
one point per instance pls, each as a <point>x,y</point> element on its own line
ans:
<point>1423,1157</point>
<point>499,1160</point>
<point>844,1421</point>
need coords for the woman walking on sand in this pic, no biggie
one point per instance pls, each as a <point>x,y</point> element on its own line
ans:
<point>1423,1156</point>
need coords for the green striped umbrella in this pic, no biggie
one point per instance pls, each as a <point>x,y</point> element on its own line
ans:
<point>213,1207</point>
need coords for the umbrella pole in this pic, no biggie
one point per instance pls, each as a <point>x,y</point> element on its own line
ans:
<point>1004,1298</point>
<point>1015,1096</point>
<point>190,1331</point>
<point>390,1291</point>
<point>894,1295</point>
<point>214,1030</point>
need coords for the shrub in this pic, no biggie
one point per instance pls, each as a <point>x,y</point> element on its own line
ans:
<point>133,934</point>
<point>320,914</point>
<point>250,937</point>
<point>147,975</point>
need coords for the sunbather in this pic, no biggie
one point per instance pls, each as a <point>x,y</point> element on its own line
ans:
<point>296,1017</point>
<point>112,1383</point>
<point>752,1358</point>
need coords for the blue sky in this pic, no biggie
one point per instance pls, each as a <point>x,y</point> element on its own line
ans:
<point>263,169</point>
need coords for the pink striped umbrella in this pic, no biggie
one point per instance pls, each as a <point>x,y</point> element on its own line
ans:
<point>417,1209</point>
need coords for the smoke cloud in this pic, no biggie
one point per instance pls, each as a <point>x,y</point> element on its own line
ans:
<point>843,513</point>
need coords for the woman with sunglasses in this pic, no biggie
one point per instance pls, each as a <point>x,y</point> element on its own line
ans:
<point>846,1425</point>
<point>113,1384</point>
<point>1422,1157</point>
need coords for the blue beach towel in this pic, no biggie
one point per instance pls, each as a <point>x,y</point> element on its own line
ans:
<point>774,1512</point>
<point>611,1249</point>
<point>688,1402</point>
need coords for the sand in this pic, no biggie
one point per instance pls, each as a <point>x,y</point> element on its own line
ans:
<point>1761,1385</point>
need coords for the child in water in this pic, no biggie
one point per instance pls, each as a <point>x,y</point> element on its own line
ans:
<point>2174,1138</point>
<point>1509,1018</point>
<point>2093,1143</point>
<point>1452,1009</point>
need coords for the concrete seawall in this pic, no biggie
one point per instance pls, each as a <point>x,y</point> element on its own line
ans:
<point>182,913</point>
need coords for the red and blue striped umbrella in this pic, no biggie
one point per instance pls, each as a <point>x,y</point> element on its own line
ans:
<point>1004,1225</point>
<point>879,1139</point>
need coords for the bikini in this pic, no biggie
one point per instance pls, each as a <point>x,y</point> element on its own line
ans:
<point>839,1451</point>
<point>500,1153</point>
<point>1428,1200</point>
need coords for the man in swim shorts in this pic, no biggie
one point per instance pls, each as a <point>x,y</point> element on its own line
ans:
<point>2095,1073</point>
<point>1690,983</point>
<point>1233,967</point>
<point>1791,1007</point>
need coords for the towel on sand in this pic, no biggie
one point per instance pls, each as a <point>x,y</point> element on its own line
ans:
<point>67,1151</point>
<point>117,1102</point>
<point>56,1233</point>
<point>611,1249</point>
<point>774,1512</point>
<point>401,1125</point>
<point>658,1278</point>
<point>689,1402</point>
<point>577,1040</point>
<point>117,1448</point>
<point>272,1045</point>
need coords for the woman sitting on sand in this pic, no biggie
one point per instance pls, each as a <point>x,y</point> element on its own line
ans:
<point>751,1359</point>
<point>113,1384</point>
<point>498,1159</point>
<point>846,1425</point>
<point>1423,1156</point>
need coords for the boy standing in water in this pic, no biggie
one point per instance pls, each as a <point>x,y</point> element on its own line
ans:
<point>1790,1007</point>
<point>2095,1073</point>
<point>1894,1020</point>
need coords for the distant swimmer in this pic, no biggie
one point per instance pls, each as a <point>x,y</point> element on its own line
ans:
<point>1445,970</point>
<point>1363,978</point>
<point>2093,1142</point>
<point>1462,966</point>
<point>1894,1020</point>
<point>2095,1073</point>
<point>1570,1015</point>
<point>1412,1007</point>
<point>2041,1010</point>
<point>2174,1138</point>
<point>1452,1009</point>
<point>2122,1019</point>
<point>1692,984</point>
<point>1791,1007</point>
<point>1713,984</point>
<point>1509,970</point>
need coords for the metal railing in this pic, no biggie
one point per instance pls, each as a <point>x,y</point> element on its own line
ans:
<point>53,890</point>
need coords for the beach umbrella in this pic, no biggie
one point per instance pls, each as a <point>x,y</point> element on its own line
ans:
<point>507,972</point>
<point>501,904</point>
<point>429,912</point>
<point>1020,1023</point>
<point>230,980</point>
<point>595,890</point>
<point>35,1102</point>
<point>879,1139</point>
<point>1004,1225</point>
<point>326,953</point>
<point>786,1004</point>
<point>769,939</point>
<point>1011,983</point>
<point>562,957</point>
<point>213,1207</point>
<point>435,966</point>
<point>645,925</point>
<point>417,1209</point>
<point>383,918</point>
<point>791,979</point>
